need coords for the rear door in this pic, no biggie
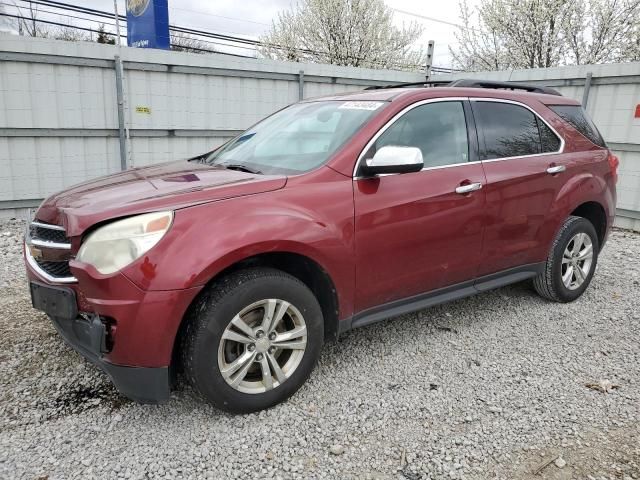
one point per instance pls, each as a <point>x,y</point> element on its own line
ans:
<point>525,169</point>
<point>414,232</point>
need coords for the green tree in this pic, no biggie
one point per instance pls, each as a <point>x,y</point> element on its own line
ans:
<point>104,37</point>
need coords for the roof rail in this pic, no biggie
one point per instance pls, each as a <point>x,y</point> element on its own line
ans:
<point>426,83</point>
<point>470,83</point>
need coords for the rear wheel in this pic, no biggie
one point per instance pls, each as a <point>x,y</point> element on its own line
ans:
<point>571,262</point>
<point>252,339</point>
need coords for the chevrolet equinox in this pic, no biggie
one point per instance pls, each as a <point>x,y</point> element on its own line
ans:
<point>333,213</point>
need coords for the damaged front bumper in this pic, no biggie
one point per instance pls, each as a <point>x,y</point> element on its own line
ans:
<point>89,335</point>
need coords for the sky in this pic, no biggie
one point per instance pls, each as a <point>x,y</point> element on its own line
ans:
<point>251,18</point>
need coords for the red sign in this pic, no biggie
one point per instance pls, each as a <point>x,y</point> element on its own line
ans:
<point>637,115</point>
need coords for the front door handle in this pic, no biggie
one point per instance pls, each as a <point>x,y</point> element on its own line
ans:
<point>556,169</point>
<point>471,187</point>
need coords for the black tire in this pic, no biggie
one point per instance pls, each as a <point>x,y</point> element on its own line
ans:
<point>211,314</point>
<point>549,283</point>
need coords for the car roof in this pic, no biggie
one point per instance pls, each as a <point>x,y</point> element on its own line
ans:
<point>423,93</point>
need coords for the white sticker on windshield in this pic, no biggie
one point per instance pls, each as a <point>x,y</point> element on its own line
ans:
<point>353,105</point>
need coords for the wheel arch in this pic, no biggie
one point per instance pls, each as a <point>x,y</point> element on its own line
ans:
<point>301,266</point>
<point>305,269</point>
<point>584,195</point>
<point>596,214</point>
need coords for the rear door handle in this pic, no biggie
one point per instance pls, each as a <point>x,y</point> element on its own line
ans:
<point>472,187</point>
<point>556,169</point>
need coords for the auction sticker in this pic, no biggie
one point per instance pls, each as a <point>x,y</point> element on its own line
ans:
<point>361,105</point>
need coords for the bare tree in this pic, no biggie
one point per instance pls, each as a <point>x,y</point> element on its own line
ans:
<point>503,34</point>
<point>357,33</point>
<point>71,34</point>
<point>183,42</point>
<point>28,24</point>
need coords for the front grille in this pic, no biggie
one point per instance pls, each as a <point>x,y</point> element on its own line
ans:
<point>50,251</point>
<point>40,232</point>
<point>55,269</point>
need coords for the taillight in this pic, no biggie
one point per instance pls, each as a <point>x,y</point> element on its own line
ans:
<point>613,163</point>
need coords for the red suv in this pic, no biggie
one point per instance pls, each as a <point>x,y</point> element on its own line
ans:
<point>330,214</point>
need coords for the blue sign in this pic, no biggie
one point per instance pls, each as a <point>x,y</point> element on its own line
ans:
<point>148,24</point>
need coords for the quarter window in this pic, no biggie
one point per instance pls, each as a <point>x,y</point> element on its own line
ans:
<point>508,130</point>
<point>578,118</point>
<point>438,129</point>
<point>550,141</point>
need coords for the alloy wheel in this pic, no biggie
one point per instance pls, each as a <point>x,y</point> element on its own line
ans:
<point>577,260</point>
<point>262,346</point>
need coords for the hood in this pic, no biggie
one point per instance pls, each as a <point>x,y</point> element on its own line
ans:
<point>167,186</point>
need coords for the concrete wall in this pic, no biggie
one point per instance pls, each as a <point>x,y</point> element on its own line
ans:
<point>59,116</point>
<point>614,95</point>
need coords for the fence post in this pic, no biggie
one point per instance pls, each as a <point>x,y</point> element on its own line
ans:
<point>587,87</point>
<point>120,97</point>
<point>429,63</point>
<point>301,85</point>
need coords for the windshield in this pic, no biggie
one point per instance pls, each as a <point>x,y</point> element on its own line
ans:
<point>296,139</point>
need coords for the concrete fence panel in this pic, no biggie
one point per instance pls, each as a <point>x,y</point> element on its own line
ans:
<point>59,117</point>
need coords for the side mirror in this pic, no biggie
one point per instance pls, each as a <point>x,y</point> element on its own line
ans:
<point>393,160</point>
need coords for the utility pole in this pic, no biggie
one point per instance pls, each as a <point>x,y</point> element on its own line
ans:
<point>429,64</point>
<point>123,128</point>
<point>115,11</point>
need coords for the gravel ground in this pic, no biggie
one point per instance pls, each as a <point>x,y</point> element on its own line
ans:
<point>487,387</point>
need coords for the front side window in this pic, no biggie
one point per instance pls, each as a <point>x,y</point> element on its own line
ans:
<point>438,129</point>
<point>508,130</point>
<point>296,139</point>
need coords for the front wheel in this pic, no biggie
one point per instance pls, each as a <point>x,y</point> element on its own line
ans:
<point>571,262</point>
<point>252,339</point>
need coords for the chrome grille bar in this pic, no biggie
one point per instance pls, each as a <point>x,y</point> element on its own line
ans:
<point>41,266</point>
<point>50,278</point>
<point>47,225</point>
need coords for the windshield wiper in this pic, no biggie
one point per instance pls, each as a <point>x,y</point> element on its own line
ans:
<point>241,168</point>
<point>200,158</point>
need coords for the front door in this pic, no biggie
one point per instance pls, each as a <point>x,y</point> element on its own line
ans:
<point>414,232</point>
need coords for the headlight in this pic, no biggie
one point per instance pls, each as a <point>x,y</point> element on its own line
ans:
<point>116,245</point>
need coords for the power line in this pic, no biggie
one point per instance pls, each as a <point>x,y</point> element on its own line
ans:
<point>59,14</point>
<point>192,31</point>
<point>109,16</point>
<point>49,22</point>
<point>437,20</point>
<point>85,29</point>
<point>219,16</point>
<point>431,19</point>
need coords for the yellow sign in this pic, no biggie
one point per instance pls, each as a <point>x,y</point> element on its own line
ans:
<point>146,110</point>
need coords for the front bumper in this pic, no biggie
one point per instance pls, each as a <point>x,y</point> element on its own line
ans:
<point>126,331</point>
<point>88,337</point>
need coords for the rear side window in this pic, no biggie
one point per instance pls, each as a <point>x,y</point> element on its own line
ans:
<point>578,118</point>
<point>508,130</point>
